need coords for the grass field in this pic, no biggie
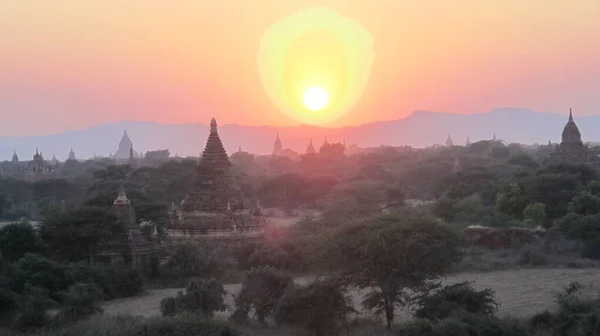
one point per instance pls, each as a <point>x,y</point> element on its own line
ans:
<point>520,293</point>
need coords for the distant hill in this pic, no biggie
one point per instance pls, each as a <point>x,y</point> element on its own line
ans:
<point>422,128</point>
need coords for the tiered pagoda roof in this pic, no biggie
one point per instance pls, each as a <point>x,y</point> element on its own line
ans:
<point>215,187</point>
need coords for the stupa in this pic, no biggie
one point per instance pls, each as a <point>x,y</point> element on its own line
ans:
<point>215,207</point>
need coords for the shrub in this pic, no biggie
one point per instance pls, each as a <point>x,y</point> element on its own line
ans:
<point>269,255</point>
<point>449,300</point>
<point>17,239</point>
<point>576,315</point>
<point>79,302</point>
<point>321,307</point>
<point>203,296</point>
<point>181,325</point>
<point>119,281</point>
<point>260,291</point>
<point>32,308</point>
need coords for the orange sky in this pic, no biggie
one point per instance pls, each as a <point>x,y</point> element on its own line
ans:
<point>68,64</point>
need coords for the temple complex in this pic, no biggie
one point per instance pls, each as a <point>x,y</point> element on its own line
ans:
<point>130,247</point>
<point>449,142</point>
<point>38,169</point>
<point>215,207</point>
<point>571,149</point>
<point>15,157</point>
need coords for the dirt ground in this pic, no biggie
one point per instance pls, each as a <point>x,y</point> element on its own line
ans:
<point>520,293</point>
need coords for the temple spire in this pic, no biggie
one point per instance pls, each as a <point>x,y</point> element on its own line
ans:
<point>310,149</point>
<point>213,126</point>
<point>570,115</point>
<point>277,146</point>
<point>449,141</point>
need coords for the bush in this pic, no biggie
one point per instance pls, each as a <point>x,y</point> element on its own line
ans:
<point>452,299</point>
<point>203,296</point>
<point>17,239</point>
<point>269,255</point>
<point>119,281</point>
<point>321,307</point>
<point>260,291</point>
<point>79,302</point>
<point>32,308</point>
<point>576,315</point>
<point>181,325</point>
<point>463,324</point>
<point>189,260</point>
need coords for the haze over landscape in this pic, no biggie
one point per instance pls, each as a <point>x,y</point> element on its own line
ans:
<point>299,168</point>
<point>420,129</point>
<point>148,61</point>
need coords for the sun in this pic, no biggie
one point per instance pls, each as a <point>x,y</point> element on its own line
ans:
<point>315,98</point>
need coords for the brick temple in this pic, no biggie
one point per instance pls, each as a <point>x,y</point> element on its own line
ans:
<point>572,149</point>
<point>130,246</point>
<point>216,207</point>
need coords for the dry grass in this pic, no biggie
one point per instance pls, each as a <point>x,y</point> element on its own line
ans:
<point>520,293</point>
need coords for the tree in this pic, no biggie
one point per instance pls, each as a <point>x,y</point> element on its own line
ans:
<point>535,214</point>
<point>285,190</point>
<point>441,302</point>
<point>585,203</point>
<point>593,187</point>
<point>17,239</point>
<point>260,291</point>
<point>351,200</point>
<point>389,254</point>
<point>156,157</point>
<point>76,234</point>
<point>510,200</point>
<point>242,159</point>
<point>321,307</point>
<point>80,301</point>
<point>33,306</point>
<point>36,271</point>
<point>189,260</point>
<point>2,204</point>
<point>204,296</point>
<point>269,255</point>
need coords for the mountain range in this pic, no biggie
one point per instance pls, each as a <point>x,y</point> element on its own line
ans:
<point>421,128</point>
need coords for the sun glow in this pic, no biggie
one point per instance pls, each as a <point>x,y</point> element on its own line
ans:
<point>315,98</point>
<point>315,45</point>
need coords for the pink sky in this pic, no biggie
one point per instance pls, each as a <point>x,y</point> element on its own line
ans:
<point>68,64</point>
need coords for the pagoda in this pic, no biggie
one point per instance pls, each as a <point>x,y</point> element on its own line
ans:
<point>310,149</point>
<point>277,146</point>
<point>215,207</point>
<point>572,149</point>
<point>129,246</point>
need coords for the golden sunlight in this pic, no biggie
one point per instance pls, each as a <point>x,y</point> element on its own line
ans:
<point>315,98</point>
<point>315,45</point>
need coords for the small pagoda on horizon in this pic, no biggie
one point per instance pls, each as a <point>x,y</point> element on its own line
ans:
<point>215,207</point>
